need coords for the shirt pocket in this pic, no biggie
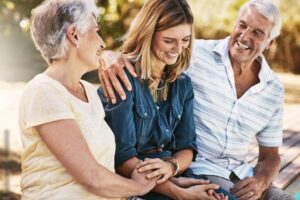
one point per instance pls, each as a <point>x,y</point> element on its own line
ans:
<point>176,116</point>
<point>143,123</point>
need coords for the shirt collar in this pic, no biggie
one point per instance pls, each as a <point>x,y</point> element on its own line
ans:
<point>221,50</point>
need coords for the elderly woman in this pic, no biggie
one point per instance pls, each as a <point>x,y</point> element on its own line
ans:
<point>68,147</point>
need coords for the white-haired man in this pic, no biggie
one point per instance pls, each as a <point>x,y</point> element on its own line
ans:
<point>237,97</point>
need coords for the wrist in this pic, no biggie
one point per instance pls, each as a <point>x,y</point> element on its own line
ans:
<point>178,193</point>
<point>173,162</point>
<point>264,183</point>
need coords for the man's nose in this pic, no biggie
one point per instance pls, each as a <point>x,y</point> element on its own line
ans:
<point>245,34</point>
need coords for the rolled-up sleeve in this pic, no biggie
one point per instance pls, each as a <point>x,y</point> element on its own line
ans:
<point>185,133</point>
<point>120,118</point>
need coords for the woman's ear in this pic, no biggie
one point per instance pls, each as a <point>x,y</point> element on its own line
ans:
<point>72,35</point>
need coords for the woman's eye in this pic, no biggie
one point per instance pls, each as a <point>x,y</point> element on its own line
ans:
<point>168,41</point>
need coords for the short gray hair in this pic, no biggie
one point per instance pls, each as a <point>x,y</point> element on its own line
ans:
<point>268,9</point>
<point>50,22</point>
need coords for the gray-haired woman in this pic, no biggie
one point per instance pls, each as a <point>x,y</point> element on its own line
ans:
<point>68,147</point>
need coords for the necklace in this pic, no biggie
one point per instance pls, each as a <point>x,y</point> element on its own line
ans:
<point>160,93</point>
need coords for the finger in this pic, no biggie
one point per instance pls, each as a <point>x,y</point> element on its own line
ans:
<point>211,192</point>
<point>109,89</point>
<point>102,84</point>
<point>117,85</point>
<point>221,195</point>
<point>124,78</point>
<point>155,173</point>
<point>129,67</point>
<point>148,162</point>
<point>100,71</point>
<point>246,196</point>
<point>211,186</point>
<point>150,166</point>
<point>243,191</point>
<point>216,195</point>
<point>163,179</point>
<point>240,184</point>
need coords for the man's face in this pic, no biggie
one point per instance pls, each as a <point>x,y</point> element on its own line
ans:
<point>250,37</point>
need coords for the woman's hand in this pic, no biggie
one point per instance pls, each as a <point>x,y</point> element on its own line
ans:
<point>158,168</point>
<point>111,68</point>
<point>143,182</point>
<point>202,192</point>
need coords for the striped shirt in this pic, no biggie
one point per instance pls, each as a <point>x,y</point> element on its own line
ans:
<point>226,125</point>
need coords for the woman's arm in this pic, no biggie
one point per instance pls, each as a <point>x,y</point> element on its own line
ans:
<point>64,139</point>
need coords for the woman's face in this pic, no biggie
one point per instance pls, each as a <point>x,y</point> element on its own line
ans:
<point>89,45</point>
<point>170,43</point>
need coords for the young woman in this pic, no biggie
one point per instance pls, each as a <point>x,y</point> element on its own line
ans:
<point>155,123</point>
<point>68,147</point>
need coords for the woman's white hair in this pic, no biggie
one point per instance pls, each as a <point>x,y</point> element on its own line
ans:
<point>268,9</point>
<point>50,22</point>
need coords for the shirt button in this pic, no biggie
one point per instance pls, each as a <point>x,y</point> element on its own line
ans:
<point>157,107</point>
<point>162,146</point>
<point>167,130</point>
<point>145,114</point>
<point>179,115</point>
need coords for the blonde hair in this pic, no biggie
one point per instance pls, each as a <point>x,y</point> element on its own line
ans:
<point>155,16</point>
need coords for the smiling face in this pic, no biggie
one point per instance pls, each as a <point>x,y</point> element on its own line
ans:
<point>250,36</point>
<point>90,44</point>
<point>169,44</point>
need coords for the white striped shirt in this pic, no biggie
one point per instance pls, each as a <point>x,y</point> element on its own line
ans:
<point>225,125</point>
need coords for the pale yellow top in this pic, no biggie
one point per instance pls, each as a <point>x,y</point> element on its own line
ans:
<point>46,100</point>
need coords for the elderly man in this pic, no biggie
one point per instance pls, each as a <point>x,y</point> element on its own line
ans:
<point>237,97</point>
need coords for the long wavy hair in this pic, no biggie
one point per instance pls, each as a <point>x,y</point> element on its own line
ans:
<point>155,16</point>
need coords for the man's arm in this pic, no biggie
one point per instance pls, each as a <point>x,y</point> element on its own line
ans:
<point>265,171</point>
<point>111,68</point>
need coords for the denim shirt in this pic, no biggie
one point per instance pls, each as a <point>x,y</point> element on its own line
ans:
<point>140,124</point>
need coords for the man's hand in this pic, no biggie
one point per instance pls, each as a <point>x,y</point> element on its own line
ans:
<point>201,192</point>
<point>249,188</point>
<point>188,183</point>
<point>111,68</point>
<point>265,170</point>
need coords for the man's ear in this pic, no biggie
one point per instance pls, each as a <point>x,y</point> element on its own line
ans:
<point>72,35</point>
<point>270,43</point>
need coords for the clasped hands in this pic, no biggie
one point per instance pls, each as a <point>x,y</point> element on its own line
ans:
<point>160,171</point>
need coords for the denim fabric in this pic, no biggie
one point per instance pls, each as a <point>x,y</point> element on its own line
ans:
<point>140,124</point>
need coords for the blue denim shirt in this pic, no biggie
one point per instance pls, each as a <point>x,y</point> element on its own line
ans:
<point>140,124</point>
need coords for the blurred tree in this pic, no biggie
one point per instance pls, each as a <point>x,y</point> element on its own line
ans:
<point>213,19</point>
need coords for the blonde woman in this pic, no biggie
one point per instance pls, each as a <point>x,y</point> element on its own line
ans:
<point>68,147</point>
<point>155,123</point>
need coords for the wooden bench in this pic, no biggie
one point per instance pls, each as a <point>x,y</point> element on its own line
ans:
<point>289,151</point>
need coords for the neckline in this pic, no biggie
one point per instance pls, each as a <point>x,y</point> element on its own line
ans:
<point>59,84</point>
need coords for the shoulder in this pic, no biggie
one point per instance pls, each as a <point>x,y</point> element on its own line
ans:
<point>204,45</point>
<point>277,84</point>
<point>40,84</point>
<point>184,82</point>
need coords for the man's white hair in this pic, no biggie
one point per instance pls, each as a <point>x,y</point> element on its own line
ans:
<point>268,9</point>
